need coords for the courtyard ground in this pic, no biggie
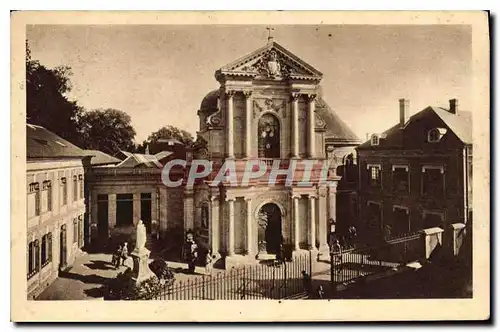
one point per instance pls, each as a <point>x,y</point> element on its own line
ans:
<point>91,271</point>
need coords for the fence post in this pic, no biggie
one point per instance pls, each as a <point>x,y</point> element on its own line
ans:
<point>310,263</point>
<point>202,286</point>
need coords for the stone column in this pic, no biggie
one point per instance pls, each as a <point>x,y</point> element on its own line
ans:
<point>155,222</point>
<point>312,222</point>
<point>137,207</point>
<point>230,242</point>
<point>188,210</point>
<point>296,235</point>
<point>310,127</point>
<point>111,211</point>
<point>230,125</point>
<point>248,124</point>
<point>322,224</point>
<point>214,229</point>
<point>295,125</point>
<point>249,224</point>
<point>332,200</point>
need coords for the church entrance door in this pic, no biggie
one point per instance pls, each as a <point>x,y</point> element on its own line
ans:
<point>270,232</point>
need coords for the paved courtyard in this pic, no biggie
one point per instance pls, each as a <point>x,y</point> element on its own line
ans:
<point>91,271</point>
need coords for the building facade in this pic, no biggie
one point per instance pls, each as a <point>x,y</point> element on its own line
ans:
<point>417,174</point>
<point>120,192</point>
<point>268,107</point>
<point>55,206</point>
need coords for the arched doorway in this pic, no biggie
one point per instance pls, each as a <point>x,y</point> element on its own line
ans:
<point>269,136</point>
<point>270,229</point>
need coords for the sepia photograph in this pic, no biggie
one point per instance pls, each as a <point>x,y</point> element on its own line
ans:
<point>290,160</point>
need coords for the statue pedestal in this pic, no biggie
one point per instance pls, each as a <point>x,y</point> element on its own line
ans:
<point>141,269</point>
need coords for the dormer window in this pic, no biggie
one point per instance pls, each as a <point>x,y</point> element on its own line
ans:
<point>435,134</point>
<point>375,140</point>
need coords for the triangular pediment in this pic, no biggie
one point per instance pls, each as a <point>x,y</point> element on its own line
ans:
<point>272,61</point>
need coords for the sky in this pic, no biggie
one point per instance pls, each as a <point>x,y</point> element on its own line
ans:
<point>159,74</point>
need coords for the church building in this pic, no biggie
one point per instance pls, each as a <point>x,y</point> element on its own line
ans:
<point>268,107</point>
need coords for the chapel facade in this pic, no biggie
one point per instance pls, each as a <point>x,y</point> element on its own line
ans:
<point>268,107</point>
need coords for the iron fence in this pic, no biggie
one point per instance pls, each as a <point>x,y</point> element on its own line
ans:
<point>268,280</point>
<point>355,262</point>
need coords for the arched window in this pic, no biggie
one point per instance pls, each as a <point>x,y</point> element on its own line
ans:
<point>269,137</point>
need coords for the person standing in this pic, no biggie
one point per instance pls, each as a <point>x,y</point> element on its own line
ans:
<point>209,263</point>
<point>124,254</point>
<point>115,260</point>
<point>193,257</point>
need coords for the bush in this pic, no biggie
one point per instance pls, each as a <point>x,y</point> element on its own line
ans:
<point>160,268</point>
<point>123,287</point>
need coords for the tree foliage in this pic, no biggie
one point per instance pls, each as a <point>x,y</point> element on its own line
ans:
<point>166,132</point>
<point>108,130</point>
<point>46,102</point>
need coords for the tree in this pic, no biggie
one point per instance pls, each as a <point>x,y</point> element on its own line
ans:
<point>46,103</point>
<point>107,130</point>
<point>165,132</point>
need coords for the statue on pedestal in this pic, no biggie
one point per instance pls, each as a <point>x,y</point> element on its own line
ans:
<point>140,240</point>
<point>140,255</point>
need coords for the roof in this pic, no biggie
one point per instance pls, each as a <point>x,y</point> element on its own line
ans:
<point>209,102</point>
<point>163,154</point>
<point>101,158</point>
<point>42,143</point>
<point>460,124</point>
<point>245,66</point>
<point>337,130</point>
<point>137,159</point>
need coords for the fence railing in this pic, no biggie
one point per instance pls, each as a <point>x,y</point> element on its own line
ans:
<point>269,280</point>
<point>352,263</point>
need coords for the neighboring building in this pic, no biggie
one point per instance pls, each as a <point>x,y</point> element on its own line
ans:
<point>268,106</point>
<point>417,174</point>
<point>120,192</point>
<point>55,206</point>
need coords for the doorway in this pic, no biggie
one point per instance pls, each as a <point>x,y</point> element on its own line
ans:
<point>270,234</point>
<point>124,209</point>
<point>102,217</point>
<point>146,210</point>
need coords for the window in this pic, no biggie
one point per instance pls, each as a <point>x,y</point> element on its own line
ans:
<point>269,136</point>
<point>433,219</point>
<point>46,196</point>
<point>433,181</point>
<point>400,220</point>
<point>64,185</point>
<point>34,199</point>
<point>75,188</point>
<point>46,249</point>
<point>435,134</point>
<point>374,217</point>
<point>80,180</point>
<point>33,258</point>
<point>374,174</point>
<point>375,140</point>
<point>400,178</point>
<point>75,230</point>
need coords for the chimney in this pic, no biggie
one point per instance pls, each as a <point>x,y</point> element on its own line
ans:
<point>367,136</point>
<point>454,106</point>
<point>404,109</point>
